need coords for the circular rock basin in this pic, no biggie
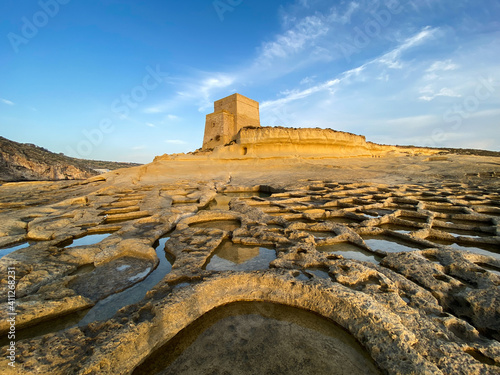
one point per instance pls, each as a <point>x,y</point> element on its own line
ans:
<point>260,338</point>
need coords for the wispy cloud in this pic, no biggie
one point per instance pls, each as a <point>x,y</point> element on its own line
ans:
<point>200,89</point>
<point>392,58</point>
<point>293,40</point>
<point>446,92</point>
<point>442,66</point>
<point>175,142</point>
<point>151,125</point>
<point>344,18</point>
<point>8,102</point>
<point>301,94</point>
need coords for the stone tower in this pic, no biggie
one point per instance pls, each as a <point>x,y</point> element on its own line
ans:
<point>230,115</point>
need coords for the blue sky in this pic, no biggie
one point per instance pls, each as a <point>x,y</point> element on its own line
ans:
<point>127,80</point>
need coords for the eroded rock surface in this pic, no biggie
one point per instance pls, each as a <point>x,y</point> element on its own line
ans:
<point>410,270</point>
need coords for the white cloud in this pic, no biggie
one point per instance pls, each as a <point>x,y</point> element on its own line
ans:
<point>172,117</point>
<point>203,93</point>
<point>308,80</point>
<point>154,109</point>
<point>150,125</point>
<point>442,66</point>
<point>5,101</point>
<point>294,40</point>
<point>346,77</point>
<point>443,92</point>
<point>175,142</point>
<point>300,94</point>
<point>137,148</point>
<point>392,58</point>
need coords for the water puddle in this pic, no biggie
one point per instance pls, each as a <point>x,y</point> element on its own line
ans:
<point>350,251</point>
<point>91,239</point>
<point>227,225</point>
<point>463,233</point>
<point>10,249</point>
<point>316,272</point>
<point>390,244</point>
<point>235,257</point>
<point>491,251</point>
<point>399,228</point>
<point>320,235</point>
<point>86,268</point>
<point>106,308</point>
<point>59,324</point>
<point>260,338</point>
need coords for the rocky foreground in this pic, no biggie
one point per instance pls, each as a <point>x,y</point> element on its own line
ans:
<point>403,253</point>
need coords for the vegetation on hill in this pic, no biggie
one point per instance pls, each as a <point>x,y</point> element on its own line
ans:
<point>25,161</point>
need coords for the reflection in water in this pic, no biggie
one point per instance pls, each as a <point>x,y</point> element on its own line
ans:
<point>320,235</point>
<point>7,250</point>
<point>463,233</point>
<point>88,240</point>
<point>350,251</point>
<point>234,257</point>
<point>399,228</point>
<point>260,338</point>
<point>108,307</point>
<point>492,251</point>
<point>389,244</point>
<point>58,324</point>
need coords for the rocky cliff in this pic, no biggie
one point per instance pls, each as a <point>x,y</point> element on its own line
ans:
<point>27,162</point>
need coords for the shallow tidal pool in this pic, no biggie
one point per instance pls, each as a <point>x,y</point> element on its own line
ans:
<point>260,338</point>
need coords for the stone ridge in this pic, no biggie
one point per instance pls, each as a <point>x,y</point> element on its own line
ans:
<point>233,131</point>
<point>28,162</point>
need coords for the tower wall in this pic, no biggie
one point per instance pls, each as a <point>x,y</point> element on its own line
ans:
<point>230,115</point>
<point>245,110</point>
<point>219,129</point>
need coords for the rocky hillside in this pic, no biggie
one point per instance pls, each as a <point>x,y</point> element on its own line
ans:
<point>27,162</point>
